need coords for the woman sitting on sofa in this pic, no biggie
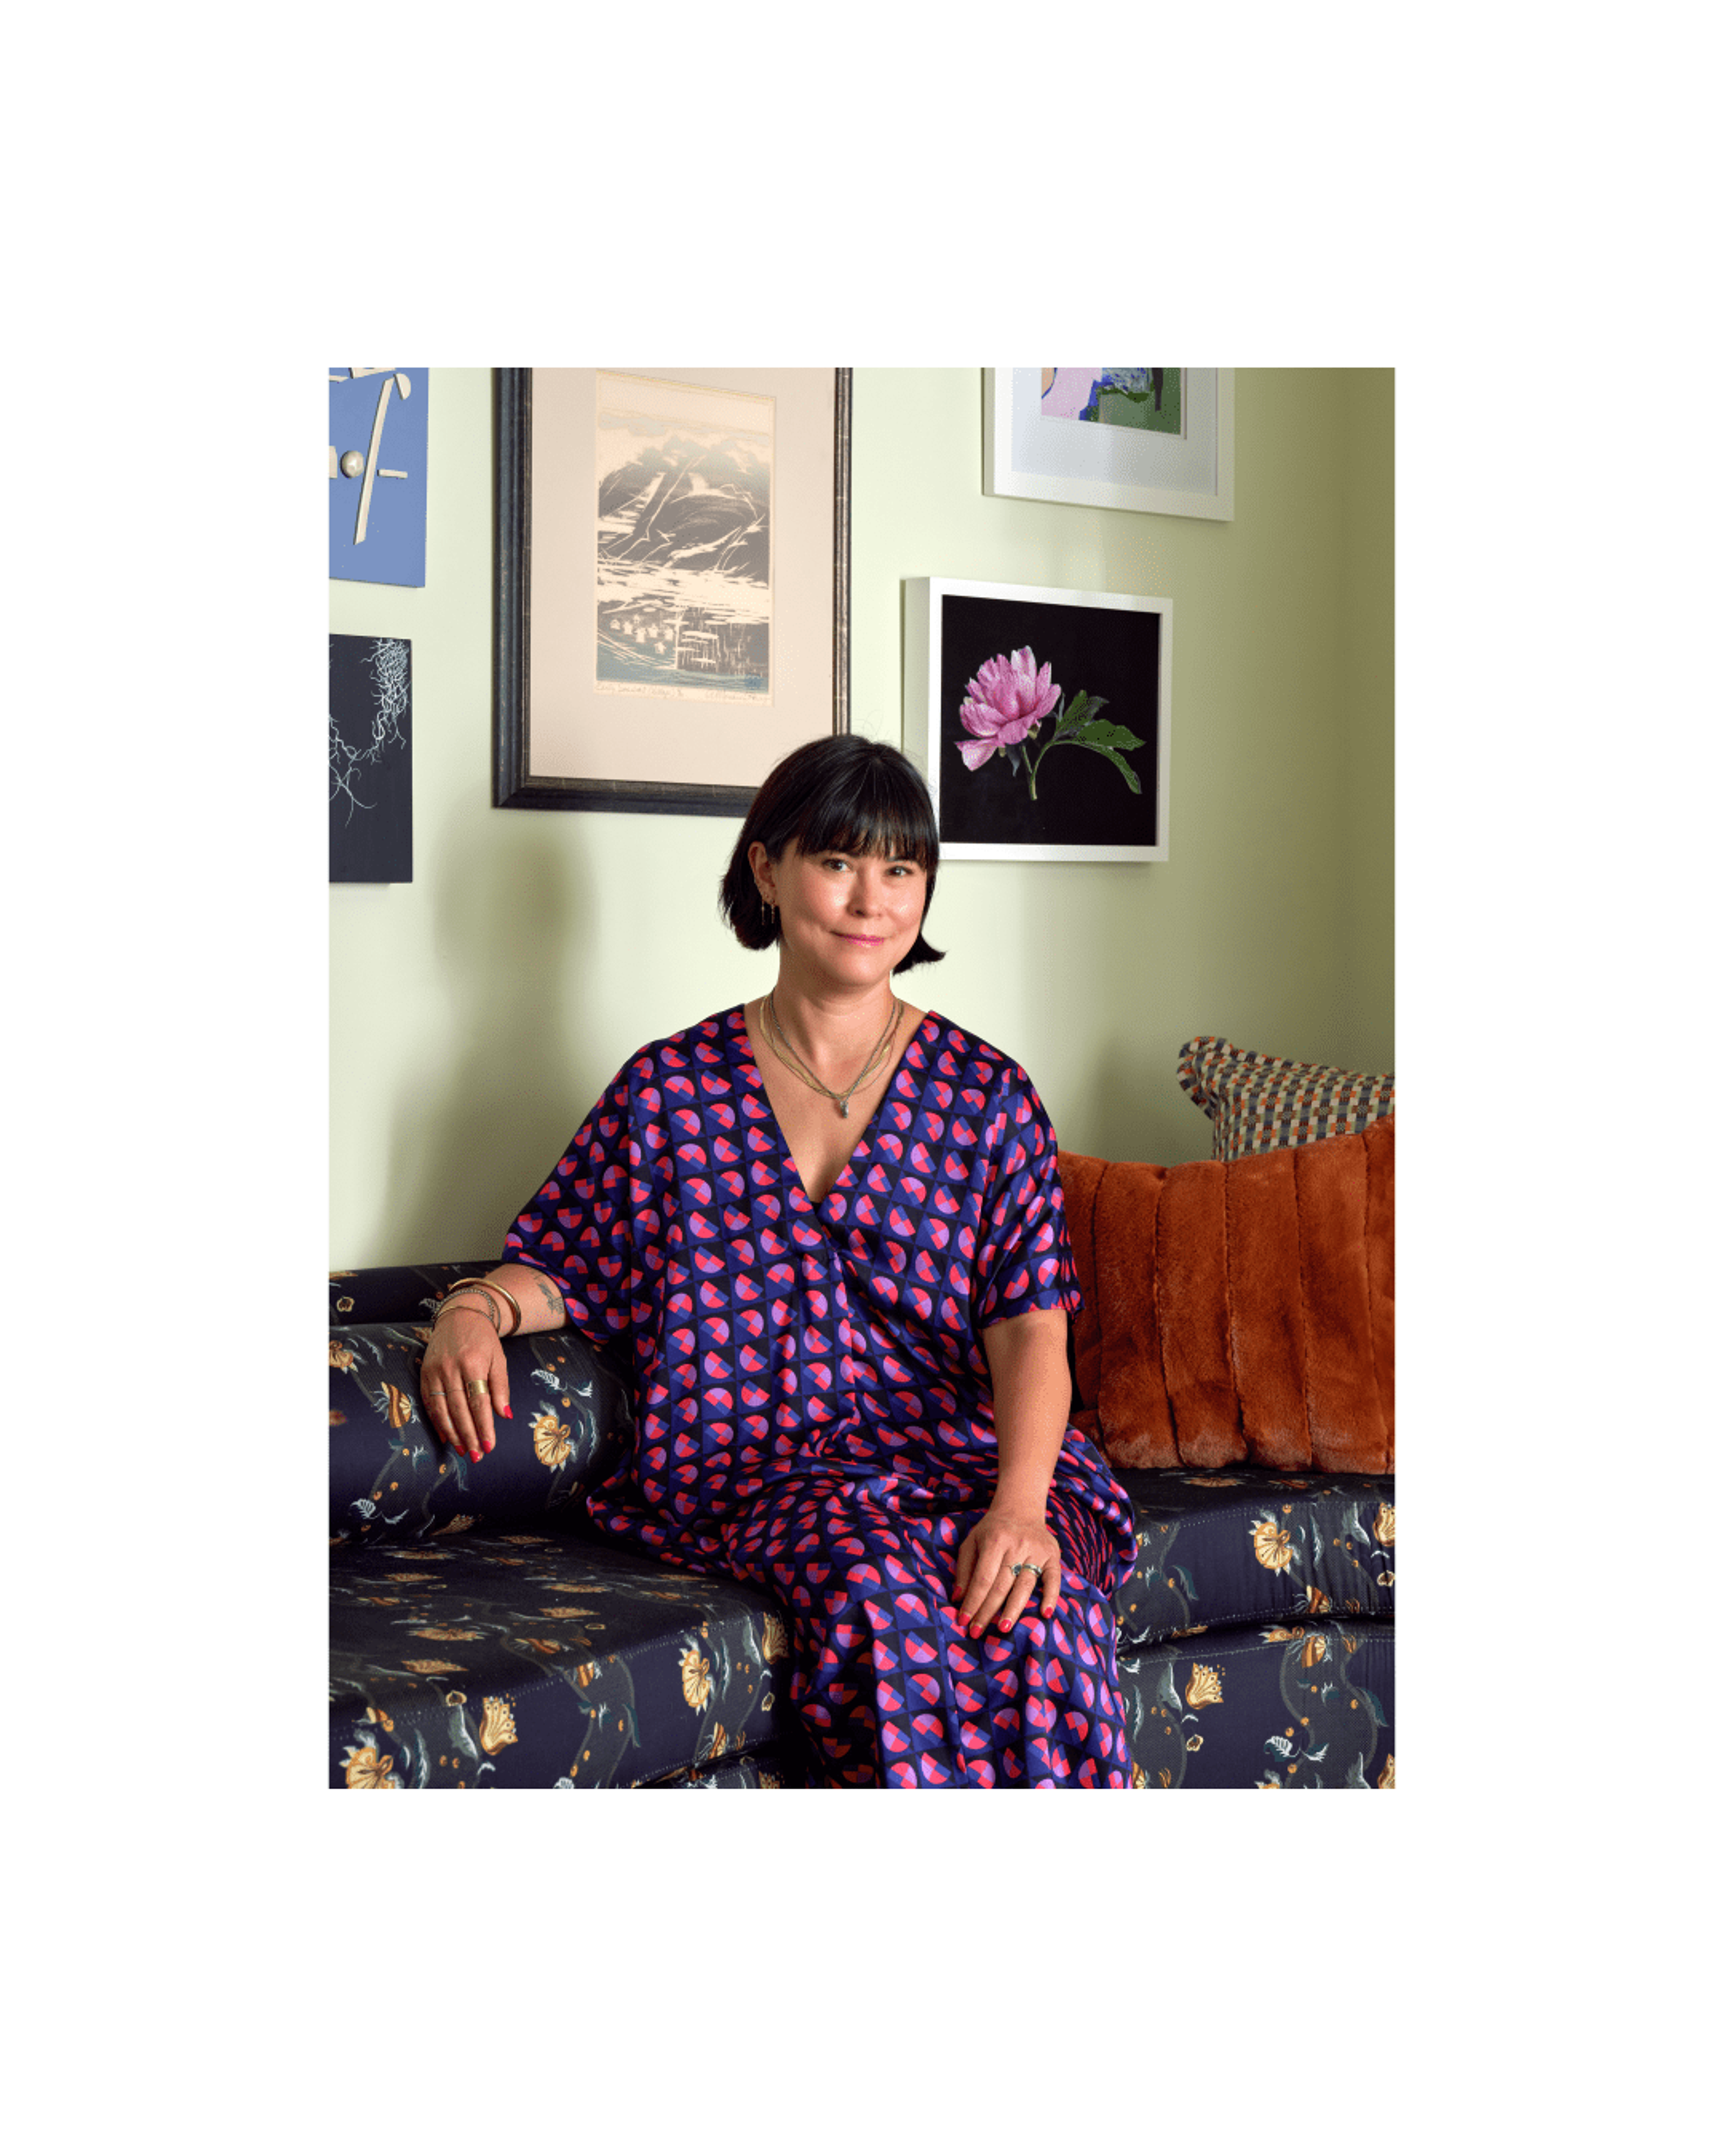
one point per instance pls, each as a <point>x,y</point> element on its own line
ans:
<point>827,1229</point>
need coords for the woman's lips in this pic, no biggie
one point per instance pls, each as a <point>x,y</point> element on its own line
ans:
<point>870,940</point>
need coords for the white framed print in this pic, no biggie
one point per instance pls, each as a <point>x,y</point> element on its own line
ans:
<point>1040,720</point>
<point>1154,439</point>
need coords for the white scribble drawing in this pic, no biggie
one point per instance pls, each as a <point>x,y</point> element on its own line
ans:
<point>388,659</point>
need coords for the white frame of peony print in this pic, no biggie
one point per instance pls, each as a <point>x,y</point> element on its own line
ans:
<point>984,713</point>
<point>1037,455</point>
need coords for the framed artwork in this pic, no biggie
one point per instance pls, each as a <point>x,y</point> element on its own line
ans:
<point>1159,438</point>
<point>1040,720</point>
<point>673,582</point>
<point>371,759</point>
<point>377,436</point>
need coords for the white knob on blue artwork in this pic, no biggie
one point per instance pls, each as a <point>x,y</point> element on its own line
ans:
<point>353,463</point>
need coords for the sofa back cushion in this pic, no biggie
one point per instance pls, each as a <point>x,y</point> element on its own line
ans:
<point>1241,1310</point>
<point>1257,1103</point>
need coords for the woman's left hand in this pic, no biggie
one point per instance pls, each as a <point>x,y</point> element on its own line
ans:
<point>984,1586</point>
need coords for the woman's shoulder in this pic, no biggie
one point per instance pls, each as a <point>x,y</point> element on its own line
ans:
<point>954,1053</point>
<point>705,1045</point>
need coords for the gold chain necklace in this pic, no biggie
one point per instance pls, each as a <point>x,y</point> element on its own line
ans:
<point>787,1055</point>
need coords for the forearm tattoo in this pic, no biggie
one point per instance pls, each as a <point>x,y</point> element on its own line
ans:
<point>553,1299</point>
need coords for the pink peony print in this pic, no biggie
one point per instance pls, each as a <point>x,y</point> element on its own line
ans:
<point>1007,700</point>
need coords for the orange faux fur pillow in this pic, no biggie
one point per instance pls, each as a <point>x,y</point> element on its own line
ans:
<point>1239,1310</point>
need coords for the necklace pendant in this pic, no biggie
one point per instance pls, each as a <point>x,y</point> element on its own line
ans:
<point>844,1108</point>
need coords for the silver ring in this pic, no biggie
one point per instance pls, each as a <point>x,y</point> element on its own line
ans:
<point>1027,1566</point>
<point>434,1392</point>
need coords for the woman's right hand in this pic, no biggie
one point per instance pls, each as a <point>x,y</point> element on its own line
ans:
<point>462,1379</point>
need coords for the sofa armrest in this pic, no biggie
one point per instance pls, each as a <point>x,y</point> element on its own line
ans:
<point>397,1295</point>
<point>391,1480</point>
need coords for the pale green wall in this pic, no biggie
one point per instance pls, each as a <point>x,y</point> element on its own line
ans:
<point>476,1012</point>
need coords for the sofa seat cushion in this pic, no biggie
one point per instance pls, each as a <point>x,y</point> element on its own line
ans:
<point>528,1661</point>
<point>771,1767</point>
<point>1275,1706</point>
<point>1251,1546</point>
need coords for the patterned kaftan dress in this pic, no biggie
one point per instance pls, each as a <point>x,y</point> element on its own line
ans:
<point>814,1413</point>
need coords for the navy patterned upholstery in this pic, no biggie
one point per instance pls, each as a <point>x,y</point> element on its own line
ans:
<point>1250,1546</point>
<point>484,1636</point>
<point>531,1661</point>
<point>1281,1706</point>
<point>391,1480</point>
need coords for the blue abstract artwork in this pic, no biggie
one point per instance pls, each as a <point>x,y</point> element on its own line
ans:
<point>377,437</point>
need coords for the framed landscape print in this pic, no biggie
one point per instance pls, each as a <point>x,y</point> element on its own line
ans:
<point>673,582</point>
<point>1159,438</point>
<point>1040,720</point>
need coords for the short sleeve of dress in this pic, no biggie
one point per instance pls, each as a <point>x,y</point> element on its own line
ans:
<point>1024,1253</point>
<point>578,1227</point>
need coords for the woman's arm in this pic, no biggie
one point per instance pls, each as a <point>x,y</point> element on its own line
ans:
<point>541,1307</point>
<point>465,1351</point>
<point>1032,1397</point>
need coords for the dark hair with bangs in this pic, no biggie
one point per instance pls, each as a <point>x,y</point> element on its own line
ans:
<point>841,794</point>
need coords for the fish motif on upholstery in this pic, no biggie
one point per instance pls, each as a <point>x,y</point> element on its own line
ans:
<point>607,1692</point>
<point>1281,1707</point>
<point>1335,1723</point>
<point>1156,1600</point>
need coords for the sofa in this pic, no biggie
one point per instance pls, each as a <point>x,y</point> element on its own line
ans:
<point>1234,1357</point>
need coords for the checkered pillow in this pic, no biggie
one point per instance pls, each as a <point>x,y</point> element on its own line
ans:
<point>1257,1103</point>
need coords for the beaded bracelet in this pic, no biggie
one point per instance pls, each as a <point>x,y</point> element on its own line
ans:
<point>489,1287</point>
<point>492,1310</point>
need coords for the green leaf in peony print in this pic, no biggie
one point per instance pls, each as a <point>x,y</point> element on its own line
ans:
<point>1007,699</point>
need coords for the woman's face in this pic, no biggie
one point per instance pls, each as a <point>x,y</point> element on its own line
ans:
<point>849,917</point>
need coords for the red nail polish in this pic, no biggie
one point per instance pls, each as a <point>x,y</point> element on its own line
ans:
<point>509,1414</point>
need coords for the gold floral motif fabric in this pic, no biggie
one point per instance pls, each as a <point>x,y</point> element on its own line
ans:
<point>1281,1706</point>
<point>391,1480</point>
<point>1255,1546</point>
<point>548,1661</point>
<point>497,1643</point>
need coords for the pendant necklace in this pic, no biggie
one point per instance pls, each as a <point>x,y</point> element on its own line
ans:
<point>787,1055</point>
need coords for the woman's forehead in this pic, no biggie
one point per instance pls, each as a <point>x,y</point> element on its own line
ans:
<point>862,846</point>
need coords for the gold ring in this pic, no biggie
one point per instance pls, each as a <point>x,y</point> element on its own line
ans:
<point>476,1386</point>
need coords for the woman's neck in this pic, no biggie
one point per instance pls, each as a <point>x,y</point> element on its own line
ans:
<point>831,1029</point>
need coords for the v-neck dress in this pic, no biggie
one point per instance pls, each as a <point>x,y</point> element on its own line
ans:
<point>813,1404</point>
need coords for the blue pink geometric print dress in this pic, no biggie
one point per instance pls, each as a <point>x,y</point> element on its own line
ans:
<point>814,1413</point>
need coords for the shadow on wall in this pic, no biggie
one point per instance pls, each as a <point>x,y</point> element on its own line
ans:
<point>513,928</point>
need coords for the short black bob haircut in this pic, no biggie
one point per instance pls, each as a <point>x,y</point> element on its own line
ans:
<point>841,794</point>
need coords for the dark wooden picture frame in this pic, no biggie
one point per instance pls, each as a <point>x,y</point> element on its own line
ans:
<point>516,782</point>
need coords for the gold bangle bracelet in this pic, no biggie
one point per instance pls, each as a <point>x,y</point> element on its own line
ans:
<point>492,1287</point>
<point>490,1308</point>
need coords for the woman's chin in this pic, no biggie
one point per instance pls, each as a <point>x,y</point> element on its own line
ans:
<point>854,960</point>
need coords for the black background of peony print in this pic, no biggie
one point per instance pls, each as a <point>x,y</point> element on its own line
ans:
<point>1081,798</point>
